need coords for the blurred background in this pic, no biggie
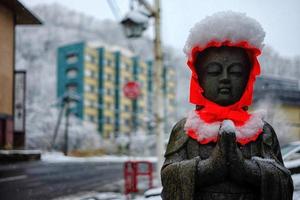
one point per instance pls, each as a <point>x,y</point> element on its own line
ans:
<point>96,24</point>
<point>92,89</point>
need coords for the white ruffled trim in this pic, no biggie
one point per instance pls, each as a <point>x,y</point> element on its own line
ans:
<point>206,131</point>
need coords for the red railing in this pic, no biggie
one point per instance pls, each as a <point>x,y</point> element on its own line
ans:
<point>134,169</point>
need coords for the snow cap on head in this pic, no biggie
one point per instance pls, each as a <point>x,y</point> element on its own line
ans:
<point>225,26</point>
<point>224,29</point>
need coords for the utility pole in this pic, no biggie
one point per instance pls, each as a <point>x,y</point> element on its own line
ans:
<point>135,28</point>
<point>66,146</point>
<point>158,92</point>
<point>157,74</point>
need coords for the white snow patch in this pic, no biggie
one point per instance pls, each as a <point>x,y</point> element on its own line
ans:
<point>110,47</point>
<point>296,195</point>
<point>227,127</point>
<point>94,196</point>
<point>296,179</point>
<point>155,192</point>
<point>21,152</point>
<point>105,196</point>
<point>222,26</point>
<point>137,16</point>
<point>292,164</point>
<point>55,157</point>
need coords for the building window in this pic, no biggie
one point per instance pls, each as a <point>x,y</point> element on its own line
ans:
<point>71,88</point>
<point>91,58</point>
<point>90,88</point>
<point>127,67</point>
<point>88,103</point>
<point>91,118</point>
<point>107,133</point>
<point>94,75</point>
<point>71,58</point>
<point>90,73</point>
<point>141,109</point>
<point>95,104</point>
<point>109,77</point>
<point>72,73</point>
<point>141,70</point>
<point>126,108</point>
<point>87,88</point>
<point>109,62</point>
<point>108,120</point>
<point>108,105</point>
<point>127,122</point>
<point>93,88</point>
<point>172,102</point>
<point>109,92</point>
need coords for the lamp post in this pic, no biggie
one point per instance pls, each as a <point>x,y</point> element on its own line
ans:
<point>134,25</point>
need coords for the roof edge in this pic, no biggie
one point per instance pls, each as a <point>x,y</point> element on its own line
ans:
<point>23,15</point>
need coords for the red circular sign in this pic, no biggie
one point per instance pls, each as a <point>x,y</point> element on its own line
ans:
<point>132,90</point>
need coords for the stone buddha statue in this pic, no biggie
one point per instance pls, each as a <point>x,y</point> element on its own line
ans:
<point>221,151</point>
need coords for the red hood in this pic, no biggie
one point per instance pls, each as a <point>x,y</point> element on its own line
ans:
<point>212,113</point>
<point>196,90</point>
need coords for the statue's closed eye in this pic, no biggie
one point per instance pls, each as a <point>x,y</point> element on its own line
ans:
<point>214,68</point>
<point>236,69</point>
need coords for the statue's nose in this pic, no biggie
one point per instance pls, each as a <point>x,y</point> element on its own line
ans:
<point>224,76</point>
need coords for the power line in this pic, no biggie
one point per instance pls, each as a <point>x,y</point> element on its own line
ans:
<point>115,9</point>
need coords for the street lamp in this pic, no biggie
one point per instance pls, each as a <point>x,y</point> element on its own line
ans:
<point>132,26</point>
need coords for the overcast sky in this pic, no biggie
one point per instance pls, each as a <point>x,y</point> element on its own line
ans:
<point>279,18</point>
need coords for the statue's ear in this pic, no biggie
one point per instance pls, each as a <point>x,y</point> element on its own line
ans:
<point>178,138</point>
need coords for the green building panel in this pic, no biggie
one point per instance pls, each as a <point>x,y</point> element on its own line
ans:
<point>135,110</point>
<point>101,65</point>
<point>117,92</point>
<point>71,57</point>
<point>150,93</point>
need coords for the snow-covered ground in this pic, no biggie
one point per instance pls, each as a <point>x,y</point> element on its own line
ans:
<point>119,196</point>
<point>54,157</point>
<point>105,196</point>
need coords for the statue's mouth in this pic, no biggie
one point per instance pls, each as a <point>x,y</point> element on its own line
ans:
<point>224,90</point>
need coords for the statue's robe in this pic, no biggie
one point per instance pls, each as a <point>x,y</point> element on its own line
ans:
<point>180,179</point>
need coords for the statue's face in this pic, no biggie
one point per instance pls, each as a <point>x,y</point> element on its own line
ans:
<point>223,73</point>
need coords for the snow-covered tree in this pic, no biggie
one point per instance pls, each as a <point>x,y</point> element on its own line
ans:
<point>41,122</point>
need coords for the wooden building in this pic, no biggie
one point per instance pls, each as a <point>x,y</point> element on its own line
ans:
<point>12,13</point>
